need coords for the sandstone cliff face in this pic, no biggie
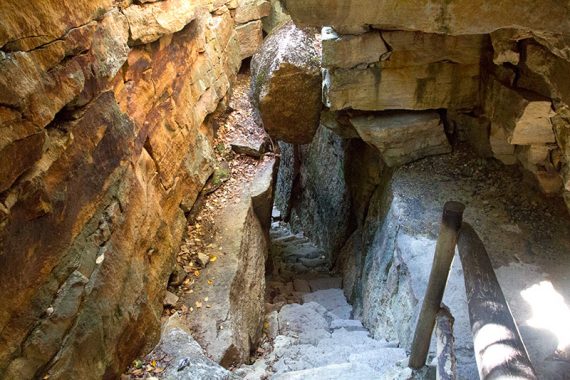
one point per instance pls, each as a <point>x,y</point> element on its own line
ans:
<point>104,143</point>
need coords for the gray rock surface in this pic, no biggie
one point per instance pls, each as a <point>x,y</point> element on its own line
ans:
<point>387,261</point>
<point>312,191</point>
<point>286,84</point>
<point>318,341</point>
<point>191,363</point>
<point>277,17</point>
<point>231,329</point>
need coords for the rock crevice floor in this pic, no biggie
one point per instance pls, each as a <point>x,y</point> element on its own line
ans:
<point>310,329</point>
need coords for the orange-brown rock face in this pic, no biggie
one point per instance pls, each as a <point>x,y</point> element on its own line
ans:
<point>103,145</point>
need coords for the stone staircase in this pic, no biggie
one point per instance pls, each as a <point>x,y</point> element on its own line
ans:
<point>310,328</point>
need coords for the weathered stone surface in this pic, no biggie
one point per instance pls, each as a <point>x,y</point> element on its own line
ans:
<point>458,17</point>
<point>339,124</point>
<point>263,189</point>
<point>254,149</point>
<point>525,118</point>
<point>403,137</point>
<point>277,17</point>
<point>50,21</point>
<point>543,72</point>
<point>250,37</point>
<point>502,149</point>
<point>390,257</point>
<point>148,22</point>
<point>417,49</point>
<point>286,84</point>
<point>421,71</point>
<point>107,143</point>
<point>349,51</point>
<point>505,49</point>
<point>57,72</point>
<point>188,358</point>
<point>19,156</point>
<point>312,190</point>
<point>230,330</point>
<point>250,10</point>
<point>472,129</point>
<point>436,85</point>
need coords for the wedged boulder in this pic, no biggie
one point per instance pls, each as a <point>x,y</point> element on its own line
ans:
<point>405,136</point>
<point>457,17</point>
<point>286,84</point>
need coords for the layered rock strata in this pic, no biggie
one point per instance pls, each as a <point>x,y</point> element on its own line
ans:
<point>497,72</point>
<point>104,144</point>
<point>249,27</point>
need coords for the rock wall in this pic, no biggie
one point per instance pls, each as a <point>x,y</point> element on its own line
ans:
<point>312,193</point>
<point>104,144</point>
<point>495,73</point>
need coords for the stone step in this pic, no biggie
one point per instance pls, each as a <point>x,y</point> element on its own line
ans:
<point>332,372</point>
<point>379,359</point>
<point>292,245</point>
<point>314,262</point>
<point>347,324</point>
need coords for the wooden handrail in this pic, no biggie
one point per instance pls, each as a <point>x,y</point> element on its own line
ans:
<point>499,349</point>
<point>444,252</point>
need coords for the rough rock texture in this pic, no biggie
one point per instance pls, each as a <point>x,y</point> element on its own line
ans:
<point>248,15</point>
<point>286,84</point>
<point>431,16</point>
<point>230,329</point>
<point>250,37</point>
<point>421,71</point>
<point>312,191</point>
<point>103,144</point>
<point>387,260</point>
<point>349,51</point>
<point>277,17</point>
<point>498,70</point>
<point>190,360</point>
<point>250,10</point>
<point>403,137</point>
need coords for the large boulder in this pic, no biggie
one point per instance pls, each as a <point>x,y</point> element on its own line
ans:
<point>286,84</point>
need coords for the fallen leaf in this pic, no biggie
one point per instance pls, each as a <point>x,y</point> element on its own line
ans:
<point>213,259</point>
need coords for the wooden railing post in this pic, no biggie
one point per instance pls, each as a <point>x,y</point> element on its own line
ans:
<point>444,252</point>
<point>499,349</point>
